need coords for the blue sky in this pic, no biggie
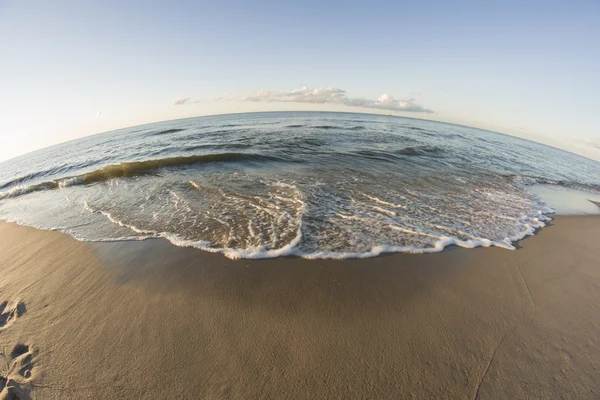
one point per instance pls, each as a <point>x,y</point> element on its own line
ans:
<point>73,68</point>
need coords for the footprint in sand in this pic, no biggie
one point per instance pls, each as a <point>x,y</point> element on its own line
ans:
<point>9,314</point>
<point>15,371</point>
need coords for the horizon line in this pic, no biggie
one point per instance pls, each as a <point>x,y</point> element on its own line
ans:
<point>293,111</point>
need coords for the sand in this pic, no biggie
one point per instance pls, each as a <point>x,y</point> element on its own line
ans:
<point>148,320</point>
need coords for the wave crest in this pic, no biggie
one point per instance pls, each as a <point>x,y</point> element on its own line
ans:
<point>136,168</point>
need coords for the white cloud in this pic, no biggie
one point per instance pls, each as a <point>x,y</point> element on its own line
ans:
<point>180,101</point>
<point>302,95</point>
<point>98,114</point>
<point>332,95</point>
<point>328,95</point>
<point>387,102</point>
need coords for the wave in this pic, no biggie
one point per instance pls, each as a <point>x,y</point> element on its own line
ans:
<point>395,155</point>
<point>21,190</point>
<point>166,132</point>
<point>24,178</point>
<point>415,128</point>
<point>30,177</point>
<point>232,253</point>
<point>377,155</point>
<point>230,125</point>
<point>426,132</point>
<point>528,227</point>
<point>352,128</point>
<point>46,173</point>
<point>137,168</point>
<point>528,180</point>
<point>295,143</point>
<point>326,127</point>
<point>217,146</point>
<point>420,151</point>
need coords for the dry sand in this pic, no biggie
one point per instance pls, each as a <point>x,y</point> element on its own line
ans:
<point>147,320</point>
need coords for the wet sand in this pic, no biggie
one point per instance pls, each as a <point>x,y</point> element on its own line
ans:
<point>148,320</point>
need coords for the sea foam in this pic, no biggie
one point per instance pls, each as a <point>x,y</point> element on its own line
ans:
<point>303,185</point>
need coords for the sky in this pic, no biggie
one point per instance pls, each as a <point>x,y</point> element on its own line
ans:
<point>74,68</point>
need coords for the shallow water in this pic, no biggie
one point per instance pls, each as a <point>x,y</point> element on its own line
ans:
<point>316,185</point>
<point>567,201</point>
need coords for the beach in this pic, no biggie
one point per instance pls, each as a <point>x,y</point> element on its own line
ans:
<point>299,200</point>
<point>149,320</point>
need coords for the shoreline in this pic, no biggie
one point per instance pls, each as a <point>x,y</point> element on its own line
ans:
<point>147,319</point>
<point>288,252</point>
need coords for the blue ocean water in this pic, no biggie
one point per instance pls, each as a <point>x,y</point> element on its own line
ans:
<point>315,185</point>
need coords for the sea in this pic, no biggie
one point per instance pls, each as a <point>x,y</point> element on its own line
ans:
<point>306,184</point>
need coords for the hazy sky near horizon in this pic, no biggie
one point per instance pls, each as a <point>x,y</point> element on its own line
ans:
<point>74,68</point>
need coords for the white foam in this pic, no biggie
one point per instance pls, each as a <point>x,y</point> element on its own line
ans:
<point>385,203</point>
<point>17,191</point>
<point>528,227</point>
<point>384,211</point>
<point>26,189</point>
<point>292,249</point>
<point>275,223</point>
<point>248,253</point>
<point>194,184</point>
<point>70,182</point>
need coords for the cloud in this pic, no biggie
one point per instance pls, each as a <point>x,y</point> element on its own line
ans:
<point>98,114</point>
<point>331,95</point>
<point>387,102</point>
<point>180,101</point>
<point>302,95</point>
<point>328,95</point>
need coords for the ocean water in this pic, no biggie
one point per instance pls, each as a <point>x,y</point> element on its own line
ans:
<point>315,185</point>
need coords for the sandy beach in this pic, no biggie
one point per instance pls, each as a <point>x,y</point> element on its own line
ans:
<point>148,320</point>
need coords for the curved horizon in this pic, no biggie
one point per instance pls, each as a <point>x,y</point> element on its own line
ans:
<point>301,111</point>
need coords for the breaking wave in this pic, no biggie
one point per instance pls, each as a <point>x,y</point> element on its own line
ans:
<point>311,185</point>
<point>136,168</point>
